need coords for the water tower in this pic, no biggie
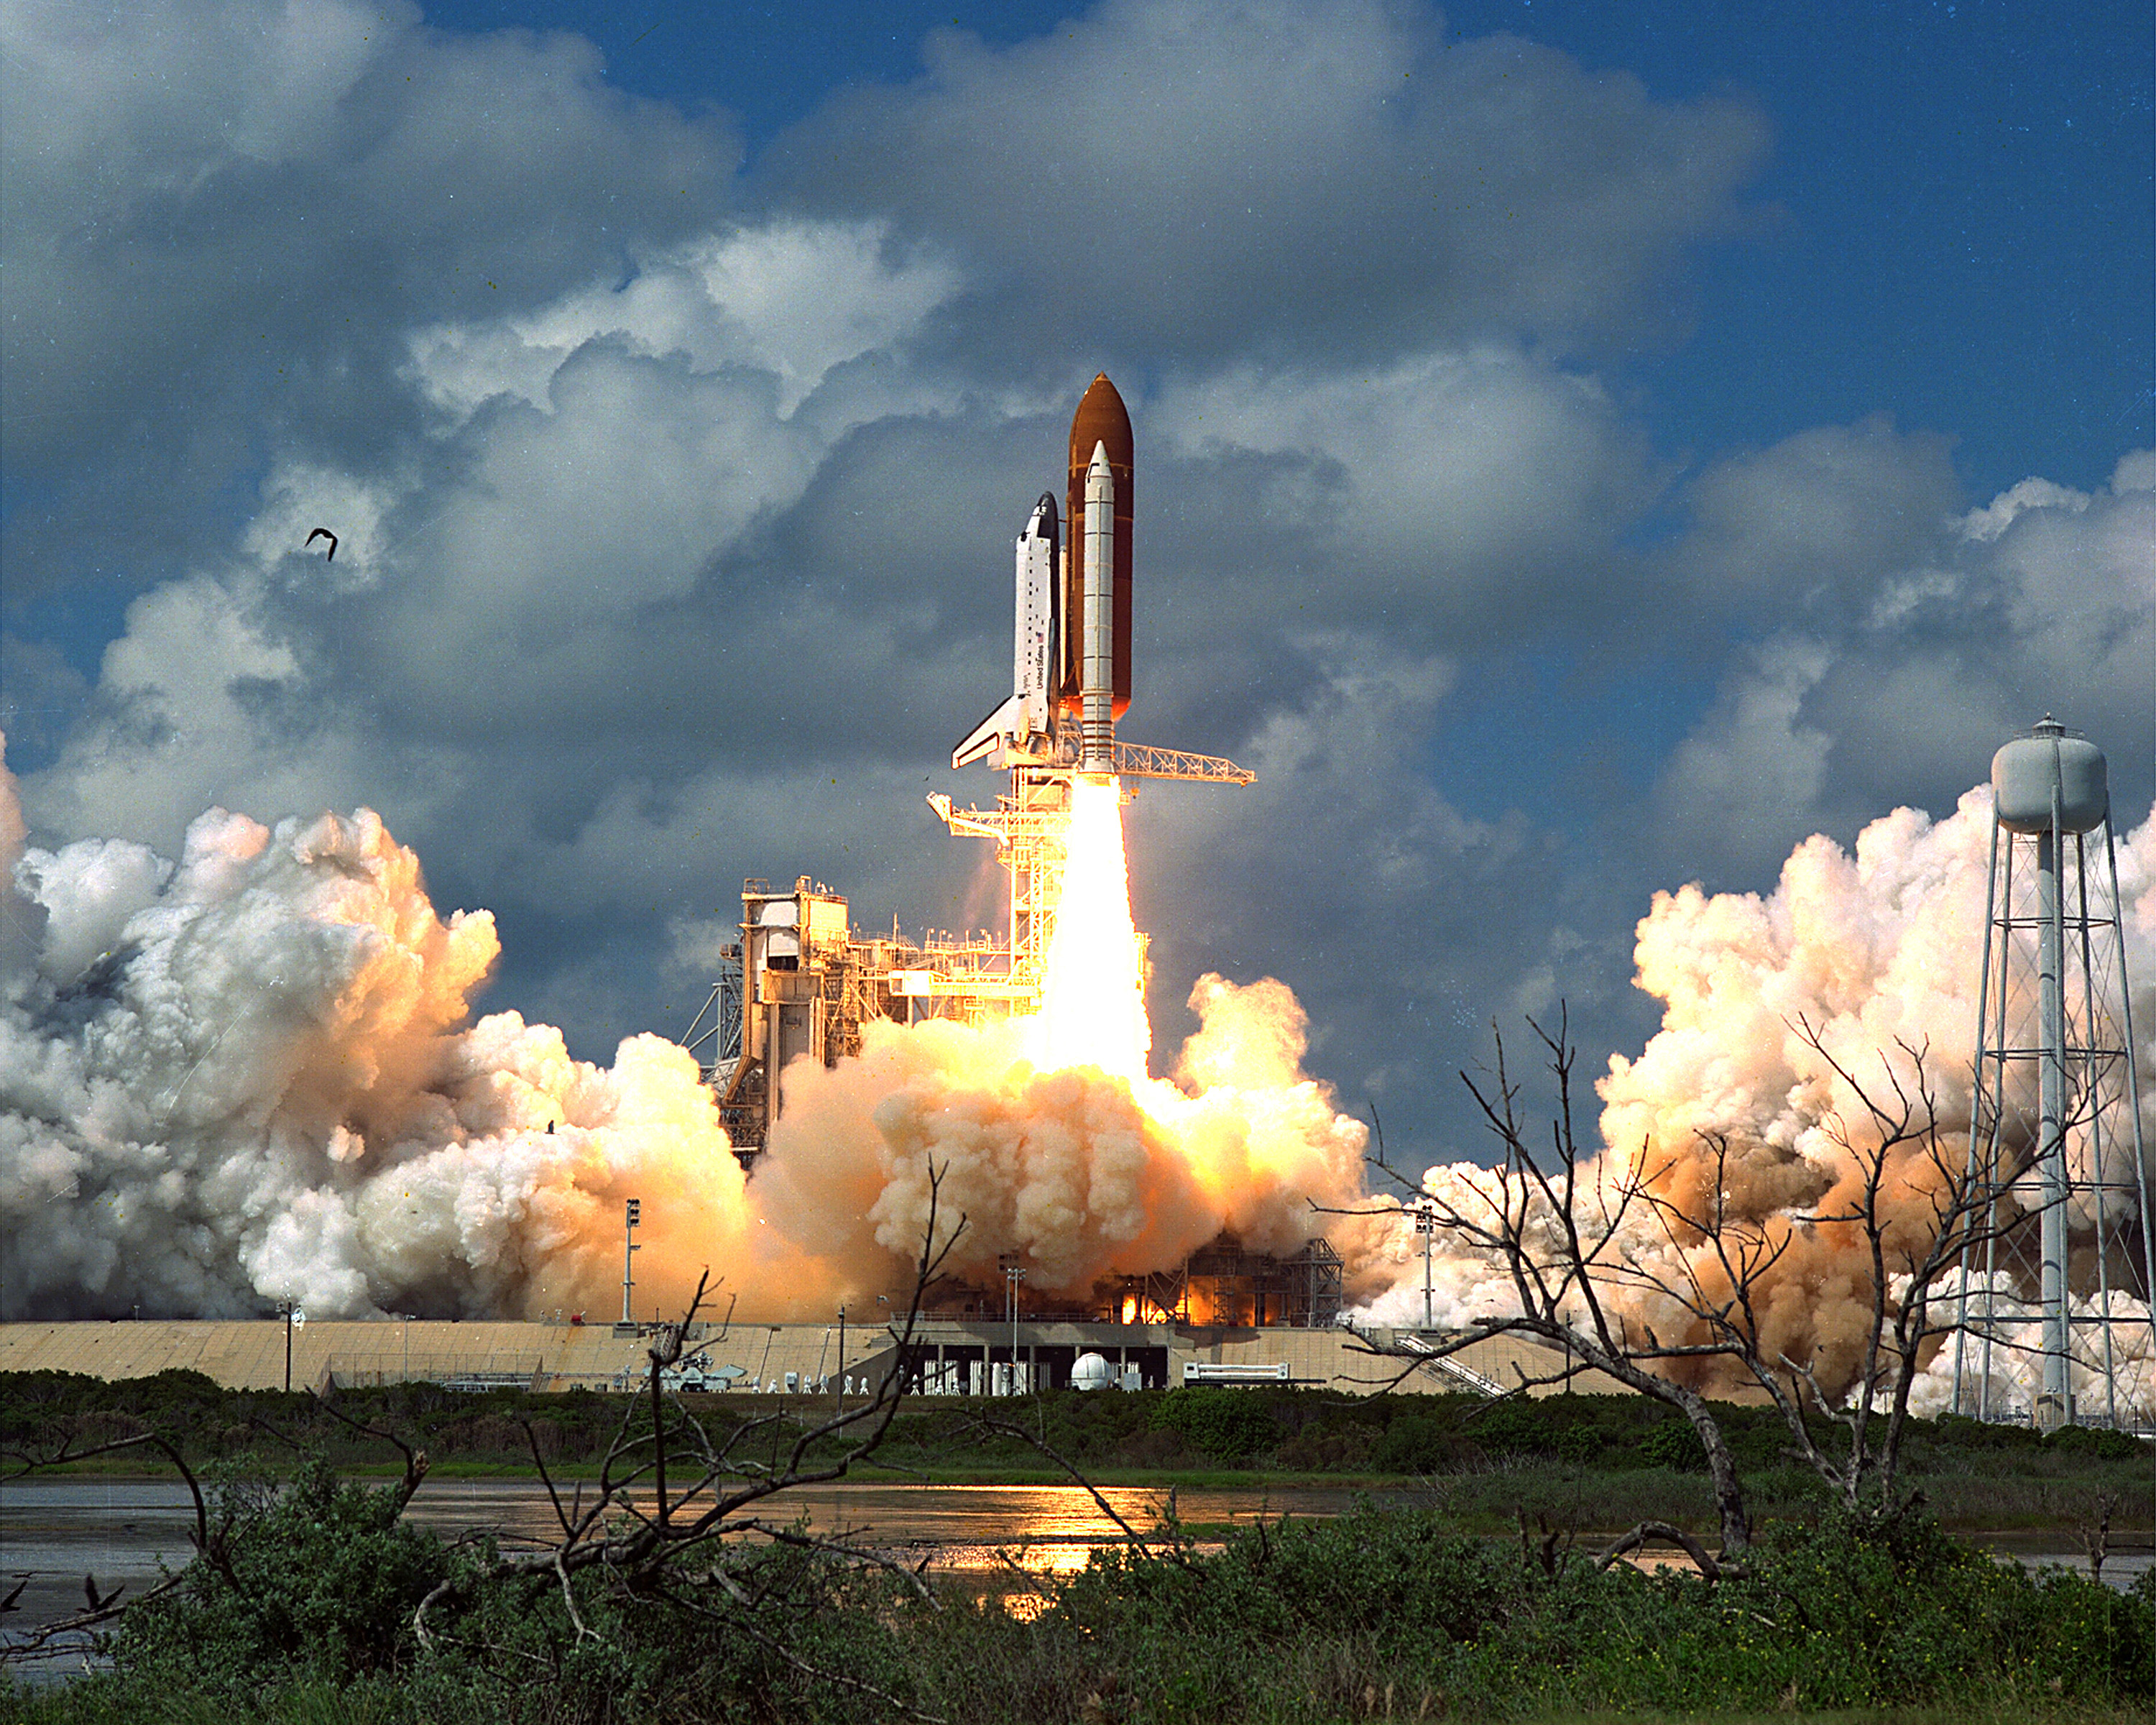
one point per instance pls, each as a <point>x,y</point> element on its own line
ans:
<point>2054,1303</point>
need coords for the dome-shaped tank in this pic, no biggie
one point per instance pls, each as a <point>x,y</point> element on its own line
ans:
<point>1091,1371</point>
<point>2049,761</point>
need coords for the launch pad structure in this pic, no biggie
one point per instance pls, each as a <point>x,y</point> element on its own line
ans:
<point>802,982</point>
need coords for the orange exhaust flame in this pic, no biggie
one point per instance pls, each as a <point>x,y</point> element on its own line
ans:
<point>1092,1007</point>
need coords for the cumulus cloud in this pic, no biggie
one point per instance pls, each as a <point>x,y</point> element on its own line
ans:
<point>791,297</point>
<point>1433,491</point>
<point>1811,526</point>
<point>675,507</point>
<point>1340,177</point>
<point>1948,633</point>
<point>225,222</point>
<point>486,593</point>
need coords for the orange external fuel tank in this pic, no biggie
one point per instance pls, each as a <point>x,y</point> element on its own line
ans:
<point>1101,419</point>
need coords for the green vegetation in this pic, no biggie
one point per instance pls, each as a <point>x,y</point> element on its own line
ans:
<point>1376,1613</point>
<point>1597,1461</point>
<point>306,1606</point>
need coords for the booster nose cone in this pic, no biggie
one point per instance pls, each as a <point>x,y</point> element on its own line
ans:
<point>1102,422</point>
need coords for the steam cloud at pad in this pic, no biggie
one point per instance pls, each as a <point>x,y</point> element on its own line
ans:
<point>1876,951</point>
<point>249,1075</point>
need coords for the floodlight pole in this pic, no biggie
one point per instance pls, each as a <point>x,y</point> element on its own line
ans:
<point>1013,1274</point>
<point>1426,1226</point>
<point>290,1308</point>
<point>633,1213</point>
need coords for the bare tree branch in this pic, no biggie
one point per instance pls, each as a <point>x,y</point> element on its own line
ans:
<point>1649,1531</point>
<point>1598,1252</point>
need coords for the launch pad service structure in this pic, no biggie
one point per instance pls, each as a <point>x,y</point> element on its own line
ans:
<point>1070,676</point>
<point>801,981</point>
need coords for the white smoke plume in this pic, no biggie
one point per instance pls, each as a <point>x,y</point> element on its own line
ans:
<point>1876,951</point>
<point>1081,1173</point>
<point>2005,1379</point>
<point>250,1076</point>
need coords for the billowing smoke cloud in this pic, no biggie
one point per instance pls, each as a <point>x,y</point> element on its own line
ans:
<point>1876,951</point>
<point>1083,1174</point>
<point>250,1076</point>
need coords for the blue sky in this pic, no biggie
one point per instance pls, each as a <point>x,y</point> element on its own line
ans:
<point>1563,429</point>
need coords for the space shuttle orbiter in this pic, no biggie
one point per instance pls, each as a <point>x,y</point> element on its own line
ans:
<point>1036,646</point>
<point>1071,640</point>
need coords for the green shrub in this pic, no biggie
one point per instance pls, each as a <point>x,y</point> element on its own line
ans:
<point>1675,1443</point>
<point>1583,1444</point>
<point>322,1579</point>
<point>1419,1442</point>
<point>1514,1427</point>
<point>1231,1423</point>
<point>1302,1623</point>
<point>2099,1442</point>
<point>1835,1616</point>
<point>1328,1451</point>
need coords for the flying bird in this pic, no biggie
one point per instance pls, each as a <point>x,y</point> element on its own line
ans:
<point>324,533</point>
